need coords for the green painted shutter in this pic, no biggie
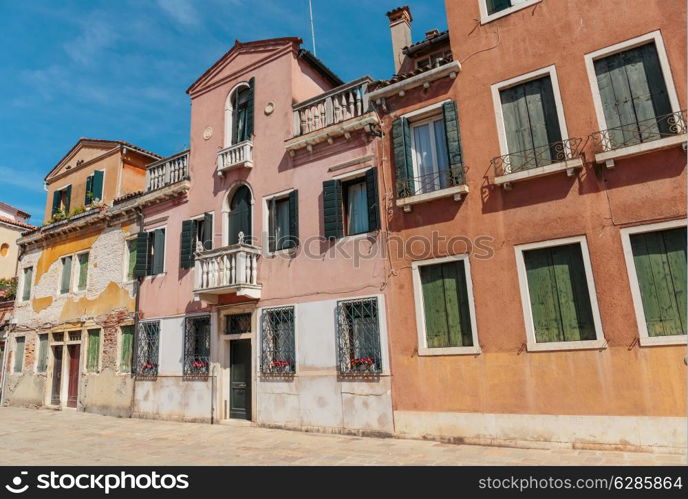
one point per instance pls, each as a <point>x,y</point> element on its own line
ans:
<point>19,354</point>
<point>293,219</point>
<point>573,294</point>
<point>188,242</point>
<point>332,209</point>
<point>660,262</point>
<point>543,87</point>
<point>127,348</point>
<point>272,225</point>
<point>250,104</point>
<point>158,251</point>
<point>93,353</point>
<point>373,203</point>
<point>98,185</point>
<point>68,198</point>
<point>83,271</point>
<point>131,268</point>
<point>542,290</point>
<point>453,136</point>
<point>403,162</point>
<point>89,190</point>
<point>208,231</point>
<point>28,277</point>
<point>497,5</point>
<point>517,126</point>
<point>141,267</point>
<point>66,274</point>
<point>56,202</point>
<point>434,306</point>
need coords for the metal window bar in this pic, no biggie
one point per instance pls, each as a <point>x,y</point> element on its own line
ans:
<point>277,341</point>
<point>196,346</point>
<point>147,348</point>
<point>557,152</point>
<point>640,132</point>
<point>238,324</point>
<point>358,337</point>
<point>442,179</point>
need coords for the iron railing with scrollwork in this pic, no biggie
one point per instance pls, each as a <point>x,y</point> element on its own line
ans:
<point>640,132</point>
<point>431,182</point>
<point>556,152</point>
<point>147,348</point>
<point>277,342</point>
<point>197,346</point>
<point>358,338</point>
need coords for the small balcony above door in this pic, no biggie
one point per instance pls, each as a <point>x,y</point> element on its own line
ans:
<point>235,156</point>
<point>228,270</point>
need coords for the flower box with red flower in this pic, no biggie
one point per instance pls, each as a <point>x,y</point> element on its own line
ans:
<point>278,366</point>
<point>363,364</point>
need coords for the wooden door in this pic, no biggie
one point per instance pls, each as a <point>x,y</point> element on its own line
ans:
<point>240,216</point>
<point>240,379</point>
<point>57,375</point>
<point>73,390</point>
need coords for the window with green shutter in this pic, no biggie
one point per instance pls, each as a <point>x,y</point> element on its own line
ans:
<point>634,96</point>
<point>196,233</point>
<point>446,305</point>
<point>66,280</point>
<point>26,283</point>
<point>42,365</point>
<point>559,296</point>
<point>126,351</point>
<point>283,222</point>
<point>131,259</point>
<point>83,271</point>
<point>93,354</point>
<point>351,206</point>
<point>19,354</point>
<point>531,124</point>
<point>88,197</point>
<point>62,200</point>
<point>660,264</point>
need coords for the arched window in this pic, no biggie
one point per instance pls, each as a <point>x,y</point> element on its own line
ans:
<point>239,220</point>
<point>239,114</point>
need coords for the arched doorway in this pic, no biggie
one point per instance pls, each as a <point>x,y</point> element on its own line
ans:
<point>240,216</point>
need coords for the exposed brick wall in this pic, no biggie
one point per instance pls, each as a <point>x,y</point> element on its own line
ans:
<point>30,351</point>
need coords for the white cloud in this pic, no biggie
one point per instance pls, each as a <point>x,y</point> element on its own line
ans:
<point>181,11</point>
<point>97,34</point>
<point>18,177</point>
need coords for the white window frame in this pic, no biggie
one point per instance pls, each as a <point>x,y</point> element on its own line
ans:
<point>486,18</point>
<point>348,177</point>
<point>626,233</point>
<point>423,349</point>
<point>228,113</point>
<point>164,260</point>
<point>266,221</point>
<point>654,36</point>
<point>75,278</point>
<point>430,120</point>
<point>23,284</point>
<point>532,345</point>
<point>550,71</point>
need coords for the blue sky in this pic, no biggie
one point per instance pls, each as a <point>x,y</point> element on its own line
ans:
<point>119,69</point>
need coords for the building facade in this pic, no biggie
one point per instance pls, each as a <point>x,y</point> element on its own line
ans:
<point>544,186</point>
<point>253,309</point>
<point>72,330</point>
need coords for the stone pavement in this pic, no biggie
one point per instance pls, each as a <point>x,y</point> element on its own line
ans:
<point>45,437</point>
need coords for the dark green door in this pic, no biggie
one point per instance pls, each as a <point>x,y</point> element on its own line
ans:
<point>240,215</point>
<point>240,379</point>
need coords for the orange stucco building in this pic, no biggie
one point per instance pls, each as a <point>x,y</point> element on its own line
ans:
<point>541,212</point>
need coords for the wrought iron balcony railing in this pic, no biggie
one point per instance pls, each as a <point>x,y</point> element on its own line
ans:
<point>235,156</point>
<point>228,269</point>
<point>424,184</point>
<point>557,152</point>
<point>167,171</point>
<point>640,132</point>
<point>333,107</point>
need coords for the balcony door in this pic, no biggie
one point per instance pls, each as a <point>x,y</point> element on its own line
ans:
<point>240,216</point>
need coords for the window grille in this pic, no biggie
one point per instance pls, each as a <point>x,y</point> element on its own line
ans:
<point>277,341</point>
<point>238,324</point>
<point>358,337</point>
<point>147,347</point>
<point>196,346</point>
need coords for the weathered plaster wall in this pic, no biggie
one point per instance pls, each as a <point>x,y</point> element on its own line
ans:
<point>8,254</point>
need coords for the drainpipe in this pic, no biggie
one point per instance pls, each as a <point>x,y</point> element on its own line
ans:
<point>4,366</point>
<point>137,298</point>
<point>212,393</point>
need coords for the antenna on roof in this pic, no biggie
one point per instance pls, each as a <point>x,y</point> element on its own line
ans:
<point>310,9</point>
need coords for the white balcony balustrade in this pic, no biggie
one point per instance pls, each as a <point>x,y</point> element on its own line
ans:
<point>235,156</point>
<point>167,171</point>
<point>230,269</point>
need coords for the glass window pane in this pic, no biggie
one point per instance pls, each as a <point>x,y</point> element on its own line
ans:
<point>357,208</point>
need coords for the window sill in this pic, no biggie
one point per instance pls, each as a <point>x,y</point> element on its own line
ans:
<point>353,237</point>
<point>638,149</point>
<point>568,166</point>
<point>502,13</point>
<point>434,352</point>
<point>457,192</point>
<point>654,341</point>
<point>568,345</point>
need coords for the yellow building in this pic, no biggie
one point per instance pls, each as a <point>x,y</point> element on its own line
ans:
<point>13,222</point>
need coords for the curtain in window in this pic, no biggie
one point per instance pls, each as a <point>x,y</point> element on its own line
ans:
<point>424,158</point>
<point>357,208</point>
<point>441,154</point>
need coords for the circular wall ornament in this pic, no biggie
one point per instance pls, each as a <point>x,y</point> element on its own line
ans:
<point>269,107</point>
<point>208,132</point>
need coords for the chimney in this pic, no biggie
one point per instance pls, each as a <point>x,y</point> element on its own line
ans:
<point>400,27</point>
